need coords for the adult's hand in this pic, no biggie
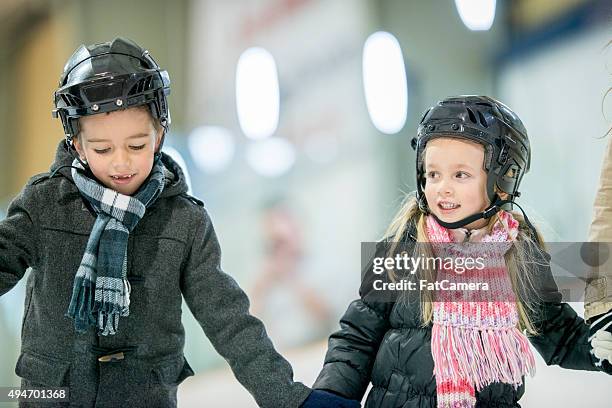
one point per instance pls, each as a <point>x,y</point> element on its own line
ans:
<point>600,336</point>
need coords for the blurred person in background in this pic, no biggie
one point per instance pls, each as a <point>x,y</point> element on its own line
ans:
<point>282,283</point>
<point>432,350</point>
<point>114,242</point>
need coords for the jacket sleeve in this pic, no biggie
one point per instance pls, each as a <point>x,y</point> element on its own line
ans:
<point>352,349</point>
<point>222,309</point>
<point>19,235</point>
<point>563,335</point>
<point>598,293</point>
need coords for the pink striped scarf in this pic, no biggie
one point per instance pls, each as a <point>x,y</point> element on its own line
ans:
<point>476,343</point>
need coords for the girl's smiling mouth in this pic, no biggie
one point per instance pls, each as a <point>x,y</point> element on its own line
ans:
<point>447,207</point>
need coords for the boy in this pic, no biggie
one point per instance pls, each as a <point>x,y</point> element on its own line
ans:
<point>114,241</point>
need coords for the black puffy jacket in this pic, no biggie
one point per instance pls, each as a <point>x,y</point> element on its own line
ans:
<point>384,343</point>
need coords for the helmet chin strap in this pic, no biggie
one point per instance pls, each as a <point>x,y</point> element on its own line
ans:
<point>486,214</point>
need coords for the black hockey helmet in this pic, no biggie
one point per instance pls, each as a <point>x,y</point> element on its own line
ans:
<point>109,76</point>
<point>486,121</point>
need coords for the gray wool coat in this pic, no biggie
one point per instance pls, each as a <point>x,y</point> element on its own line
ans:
<point>173,252</point>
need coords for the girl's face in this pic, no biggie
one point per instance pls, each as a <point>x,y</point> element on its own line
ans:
<point>119,147</point>
<point>455,180</point>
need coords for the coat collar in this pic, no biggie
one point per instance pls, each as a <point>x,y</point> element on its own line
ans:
<point>176,183</point>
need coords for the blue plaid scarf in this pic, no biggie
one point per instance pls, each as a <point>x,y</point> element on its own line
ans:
<point>101,291</point>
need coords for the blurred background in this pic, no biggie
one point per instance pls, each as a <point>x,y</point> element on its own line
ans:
<point>293,119</point>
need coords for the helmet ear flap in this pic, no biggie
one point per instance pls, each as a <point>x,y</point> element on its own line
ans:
<point>70,125</point>
<point>73,126</point>
<point>491,184</point>
<point>160,110</point>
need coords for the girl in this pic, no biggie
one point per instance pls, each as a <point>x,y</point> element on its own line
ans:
<point>432,350</point>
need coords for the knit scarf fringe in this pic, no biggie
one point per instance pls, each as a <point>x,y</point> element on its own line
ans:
<point>89,301</point>
<point>482,356</point>
<point>469,357</point>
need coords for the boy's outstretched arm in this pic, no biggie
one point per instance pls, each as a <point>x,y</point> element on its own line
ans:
<point>222,309</point>
<point>18,240</point>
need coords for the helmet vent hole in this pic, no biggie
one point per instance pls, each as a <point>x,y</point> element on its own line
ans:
<point>141,86</point>
<point>71,100</point>
<point>471,115</point>
<point>512,172</point>
<point>483,121</point>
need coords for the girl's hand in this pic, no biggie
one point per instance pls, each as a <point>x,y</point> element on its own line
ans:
<point>324,399</point>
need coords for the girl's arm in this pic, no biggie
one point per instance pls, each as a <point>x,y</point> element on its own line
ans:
<point>222,309</point>
<point>352,349</point>
<point>564,339</point>
<point>564,336</point>
<point>18,239</point>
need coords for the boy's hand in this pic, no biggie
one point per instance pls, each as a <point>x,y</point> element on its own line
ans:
<point>324,399</point>
<point>600,336</point>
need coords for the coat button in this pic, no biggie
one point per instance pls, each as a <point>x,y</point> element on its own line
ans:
<point>111,357</point>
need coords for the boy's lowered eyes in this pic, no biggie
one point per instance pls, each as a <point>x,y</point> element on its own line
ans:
<point>106,150</point>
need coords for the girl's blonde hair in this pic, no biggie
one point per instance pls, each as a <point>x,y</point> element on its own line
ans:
<point>521,260</point>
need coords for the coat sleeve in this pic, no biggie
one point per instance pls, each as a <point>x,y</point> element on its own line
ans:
<point>598,292</point>
<point>563,335</point>
<point>19,235</point>
<point>352,349</point>
<point>222,309</point>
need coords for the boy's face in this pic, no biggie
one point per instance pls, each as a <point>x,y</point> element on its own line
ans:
<point>455,180</point>
<point>119,147</point>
